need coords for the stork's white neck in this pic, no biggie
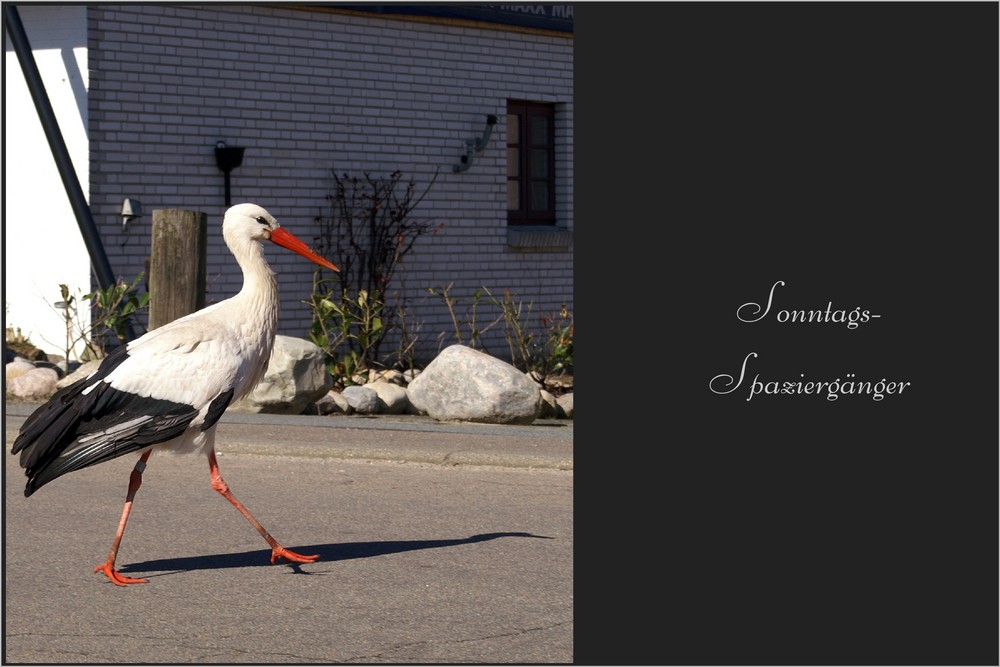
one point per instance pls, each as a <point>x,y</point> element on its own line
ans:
<point>259,295</point>
<point>259,283</point>
<point>256,306</point>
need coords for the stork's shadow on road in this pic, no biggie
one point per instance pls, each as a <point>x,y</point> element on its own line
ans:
<point>327,553</point>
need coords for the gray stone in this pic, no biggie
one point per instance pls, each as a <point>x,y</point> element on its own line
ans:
<point>333,403</point>
<point>54,366</point>
<point>562,382</point>
<point>392,376</point>
<point>296,377</point>
<point>464,384</point>
<point>565,403</point>
<point>363,400</point>
<point>393,398</point>
<point>66,368</point>
<point>550,408</point>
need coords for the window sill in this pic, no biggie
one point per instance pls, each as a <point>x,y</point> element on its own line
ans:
<point>539,238</point>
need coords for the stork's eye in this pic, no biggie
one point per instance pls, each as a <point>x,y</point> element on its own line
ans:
<point>261,220</point>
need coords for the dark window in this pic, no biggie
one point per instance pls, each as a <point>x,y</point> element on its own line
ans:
<point>531,197</point>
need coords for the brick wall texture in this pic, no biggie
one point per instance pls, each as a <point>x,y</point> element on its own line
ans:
<point>309,92</point>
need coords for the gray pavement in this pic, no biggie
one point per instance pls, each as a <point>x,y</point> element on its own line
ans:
<point>438,543</point>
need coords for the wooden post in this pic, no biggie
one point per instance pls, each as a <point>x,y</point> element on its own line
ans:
<point>177,264</point>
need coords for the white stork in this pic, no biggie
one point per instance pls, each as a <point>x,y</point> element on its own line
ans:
<point>168,388</point>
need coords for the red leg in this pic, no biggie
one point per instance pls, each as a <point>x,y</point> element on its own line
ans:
<point>277,551</point>
<point>108,568</point>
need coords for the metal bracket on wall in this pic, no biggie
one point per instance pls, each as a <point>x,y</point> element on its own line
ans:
<point>473,146</point>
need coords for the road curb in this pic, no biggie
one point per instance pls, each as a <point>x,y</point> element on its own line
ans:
<point>546,444</point>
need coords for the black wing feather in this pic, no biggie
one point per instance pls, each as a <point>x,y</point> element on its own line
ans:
<point>83,452</point>
<point>216,408</point>
<point>74,430</point>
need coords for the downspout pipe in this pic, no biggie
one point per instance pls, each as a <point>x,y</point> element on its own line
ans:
<point>99,259</point>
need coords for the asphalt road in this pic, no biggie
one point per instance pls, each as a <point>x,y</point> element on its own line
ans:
<point>438,544</point>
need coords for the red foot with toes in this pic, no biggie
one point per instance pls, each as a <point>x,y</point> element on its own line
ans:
<point>291,556</point>
<point>116,577</point>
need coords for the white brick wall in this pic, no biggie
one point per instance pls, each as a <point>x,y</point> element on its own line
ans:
<point>310,91</point>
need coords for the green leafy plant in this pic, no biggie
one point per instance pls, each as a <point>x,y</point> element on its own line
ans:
<point>408,330</point>
<point>475,333</point>
<point>367,233</point>
<point>543,352</point>
<point>520,341</point>
<point>559,343</point>
<point>117,306</point>
<point>113,309</point>
<point>340,320</point>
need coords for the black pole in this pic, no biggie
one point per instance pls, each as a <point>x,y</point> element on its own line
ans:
<point>18,37</point>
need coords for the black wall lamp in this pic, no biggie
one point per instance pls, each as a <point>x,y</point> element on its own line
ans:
<point>228,158</point>
<point>473,146</point>
<point>131,210</point>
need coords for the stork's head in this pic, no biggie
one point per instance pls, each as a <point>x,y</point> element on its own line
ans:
<point>245,222</point>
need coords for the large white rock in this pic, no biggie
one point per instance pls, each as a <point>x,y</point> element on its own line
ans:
<point>464,384</point>
<point>296,377</point>
<point>18,367</point>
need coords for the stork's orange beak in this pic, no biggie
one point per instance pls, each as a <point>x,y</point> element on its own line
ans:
<point>286,239</point>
